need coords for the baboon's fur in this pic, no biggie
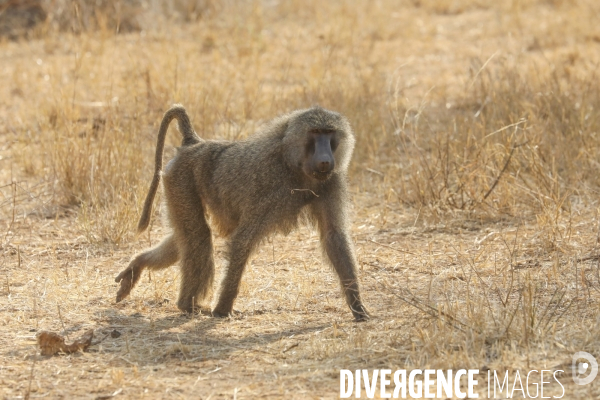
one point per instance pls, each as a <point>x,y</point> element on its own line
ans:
<point>251,189</point>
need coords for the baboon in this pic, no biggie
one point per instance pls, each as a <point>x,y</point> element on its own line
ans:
<point>18,17</point>
<point>250,188</point>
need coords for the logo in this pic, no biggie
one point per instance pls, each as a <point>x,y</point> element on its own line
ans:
<point>463,383</point>
<point>580,368</point>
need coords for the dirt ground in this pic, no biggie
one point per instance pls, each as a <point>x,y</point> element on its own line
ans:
<point>448,289</point>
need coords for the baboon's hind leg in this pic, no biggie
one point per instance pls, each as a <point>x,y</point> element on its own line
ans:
<point>162,256</point>
<point>241,246</point>
<point>197,267</point>
<point>194,238</point>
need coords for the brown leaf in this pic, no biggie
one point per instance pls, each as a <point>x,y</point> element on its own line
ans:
<point>51,343</point>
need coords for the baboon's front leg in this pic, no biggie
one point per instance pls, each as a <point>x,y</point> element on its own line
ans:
<point>339,250</point>
<point>330,212</point>
<point>162,256</point>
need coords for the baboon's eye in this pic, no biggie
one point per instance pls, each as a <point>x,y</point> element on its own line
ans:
<point>310,146</point>
<point>334,144</point>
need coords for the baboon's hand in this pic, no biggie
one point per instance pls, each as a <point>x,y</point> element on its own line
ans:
<point>128,279</point>
<point>361,314</point>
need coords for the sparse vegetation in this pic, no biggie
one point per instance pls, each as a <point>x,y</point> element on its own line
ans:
<point>475,189</point>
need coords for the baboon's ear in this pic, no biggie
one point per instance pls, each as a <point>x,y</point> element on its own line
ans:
<point>345,148</point>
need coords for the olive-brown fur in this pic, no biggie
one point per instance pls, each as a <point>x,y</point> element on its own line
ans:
<point>251,189</point>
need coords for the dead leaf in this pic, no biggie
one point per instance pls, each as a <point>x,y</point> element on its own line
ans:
<point>51,343</point>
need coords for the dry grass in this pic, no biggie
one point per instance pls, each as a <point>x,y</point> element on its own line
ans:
<point>474,184</point>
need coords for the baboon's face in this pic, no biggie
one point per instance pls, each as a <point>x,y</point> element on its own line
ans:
<point>319,149</point>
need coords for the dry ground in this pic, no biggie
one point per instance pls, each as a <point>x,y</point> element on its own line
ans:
<point>474,194</point>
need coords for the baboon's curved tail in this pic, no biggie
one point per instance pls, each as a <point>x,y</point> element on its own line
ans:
<point>189,138</point>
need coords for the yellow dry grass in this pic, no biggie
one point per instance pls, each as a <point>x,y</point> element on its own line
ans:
<point>474,194</point>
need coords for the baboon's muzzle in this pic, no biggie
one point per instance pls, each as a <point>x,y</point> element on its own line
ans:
<point>322,161</point>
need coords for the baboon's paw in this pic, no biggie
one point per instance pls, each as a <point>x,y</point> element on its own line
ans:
<point>124,290</point>
<point>361,315</point>
<point>188,306</point>
<point>128,279</point>
<point>220,314</point>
